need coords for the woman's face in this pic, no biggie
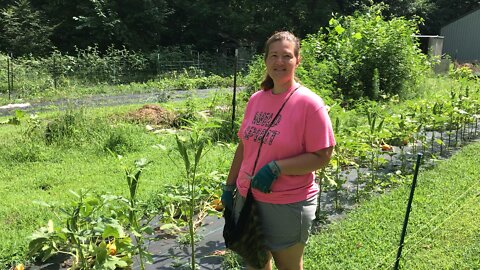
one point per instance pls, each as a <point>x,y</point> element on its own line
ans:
<point>281,61</point>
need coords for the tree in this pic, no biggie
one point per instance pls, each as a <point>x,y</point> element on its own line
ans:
<point>435,13</point>
<point>210,24</point>
<point>135,24</point>
<point>24,30</point>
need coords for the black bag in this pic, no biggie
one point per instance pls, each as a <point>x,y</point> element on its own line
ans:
<point>246,237</point>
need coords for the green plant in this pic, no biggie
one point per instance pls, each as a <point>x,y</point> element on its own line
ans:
<point>375,120</point>
<point>120,141</point>
<point>352,47</point>
<point>65,128</point>
<point>15,120</point>
<point>175,203</point>
<point>402,131</point>
<point>138,229</point>
<point>93,229</point>
<point>232,261</point>
<point>86,234</point>
<point>191,150</point>
<point>187,114</point>
<point>337,162</point>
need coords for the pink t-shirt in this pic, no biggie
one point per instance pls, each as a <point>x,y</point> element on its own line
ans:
<point>303,126</point>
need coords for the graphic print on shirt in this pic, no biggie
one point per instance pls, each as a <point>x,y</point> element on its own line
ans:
<point>258,127</point>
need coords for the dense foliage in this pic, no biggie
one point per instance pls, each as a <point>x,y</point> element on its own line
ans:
<point>210,25</point>
<point>366,55</point>
<point>359,56</point>
<point>59,72</point>
<point>24,30</point>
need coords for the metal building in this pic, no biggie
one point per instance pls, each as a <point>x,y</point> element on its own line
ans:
<point>462,38</point>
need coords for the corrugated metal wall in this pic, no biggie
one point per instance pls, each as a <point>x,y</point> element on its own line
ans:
<point>462,38</point>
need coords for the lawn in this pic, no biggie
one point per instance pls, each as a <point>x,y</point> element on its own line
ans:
<point>443,230</point>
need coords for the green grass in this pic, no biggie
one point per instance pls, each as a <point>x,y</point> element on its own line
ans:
<point>443,230</point>
<point>35,92</point>
<point>35,171</point>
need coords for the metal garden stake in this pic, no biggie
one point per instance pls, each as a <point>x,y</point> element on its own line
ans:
<point>234,92</point>
<point>9,77</point>
<point>407,214</point>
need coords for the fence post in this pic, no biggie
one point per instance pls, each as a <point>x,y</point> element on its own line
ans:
<point>198,59</point>
<point>407,214</point>
<point>157,65</point>
<point>9,75</point>
<point>54,72</point>
<point>234,92</point>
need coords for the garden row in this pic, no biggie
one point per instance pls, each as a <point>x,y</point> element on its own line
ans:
<point>380,150</point>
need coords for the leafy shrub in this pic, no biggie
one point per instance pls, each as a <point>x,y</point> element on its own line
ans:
<point>187,114</point>
<point>255,75</point>
<point>462,72</point>
<point>353,47</point>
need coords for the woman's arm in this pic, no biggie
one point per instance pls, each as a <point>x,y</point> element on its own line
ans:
<point>305,163</point>
<point>236,164</point>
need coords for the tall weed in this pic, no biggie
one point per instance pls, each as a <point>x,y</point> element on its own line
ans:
<point>66,129</point>
<point>121,140</point>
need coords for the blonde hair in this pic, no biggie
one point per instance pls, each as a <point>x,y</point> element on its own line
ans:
<point>267,83</point>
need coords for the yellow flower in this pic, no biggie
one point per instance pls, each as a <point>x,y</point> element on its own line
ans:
<point>20,267</point>
<point>112,248</point>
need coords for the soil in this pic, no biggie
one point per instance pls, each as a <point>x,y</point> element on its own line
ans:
<point>153,115</point>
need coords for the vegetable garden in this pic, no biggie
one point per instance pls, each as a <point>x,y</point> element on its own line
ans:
<point>105,181</point>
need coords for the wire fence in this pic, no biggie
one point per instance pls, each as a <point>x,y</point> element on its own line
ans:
<point>119,68</point>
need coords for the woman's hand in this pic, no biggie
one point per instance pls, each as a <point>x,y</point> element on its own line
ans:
<point>227,199</point>
<point>264,178</point>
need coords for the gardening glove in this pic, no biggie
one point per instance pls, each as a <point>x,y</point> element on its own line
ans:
<point>264,178</point>
<point>227,196</point>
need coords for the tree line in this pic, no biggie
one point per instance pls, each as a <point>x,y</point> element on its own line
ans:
<point>38,27</point>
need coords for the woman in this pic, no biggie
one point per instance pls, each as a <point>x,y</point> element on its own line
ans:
<point>297,143</point>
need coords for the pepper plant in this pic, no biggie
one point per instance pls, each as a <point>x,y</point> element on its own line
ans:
<point>375,120</point>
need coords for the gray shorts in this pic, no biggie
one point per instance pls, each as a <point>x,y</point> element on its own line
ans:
<point>284,225</point>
